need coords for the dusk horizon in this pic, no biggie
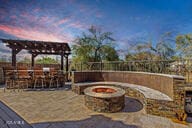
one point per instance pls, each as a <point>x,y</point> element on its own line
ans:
<point>63,21</point>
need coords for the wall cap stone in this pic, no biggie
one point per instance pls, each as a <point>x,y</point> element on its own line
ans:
<point>148,73</point>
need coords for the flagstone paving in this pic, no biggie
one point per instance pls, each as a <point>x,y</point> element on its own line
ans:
<point>65,109</point>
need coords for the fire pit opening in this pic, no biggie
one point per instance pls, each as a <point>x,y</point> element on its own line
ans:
<point>104,98</point>
<point>104,90</point>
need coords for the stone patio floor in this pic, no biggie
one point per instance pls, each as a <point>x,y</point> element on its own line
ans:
<point>64,109</point>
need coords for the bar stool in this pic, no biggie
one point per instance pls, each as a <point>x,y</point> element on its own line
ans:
<point>61,77</point>
<point>9,77</point>
<point>13,81</point>
<point>24,78</point>
<point>53,78</point>
<point>39,77</point>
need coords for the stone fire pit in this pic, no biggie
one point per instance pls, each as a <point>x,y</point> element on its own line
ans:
<point>104,98</point>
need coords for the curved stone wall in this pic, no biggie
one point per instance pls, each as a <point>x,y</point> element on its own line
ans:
<point>160,82</point>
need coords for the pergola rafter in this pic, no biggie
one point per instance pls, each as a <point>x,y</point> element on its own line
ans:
<point>36,48</point>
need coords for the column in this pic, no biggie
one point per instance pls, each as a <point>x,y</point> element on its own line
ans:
<point>61,62</point>
<point>14,57</point>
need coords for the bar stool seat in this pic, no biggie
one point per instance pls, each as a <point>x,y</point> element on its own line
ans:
<point>24,77</point>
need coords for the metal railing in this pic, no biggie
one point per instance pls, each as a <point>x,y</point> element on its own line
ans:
<point>176,67</point>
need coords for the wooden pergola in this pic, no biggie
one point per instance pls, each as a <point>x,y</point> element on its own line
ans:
<point>38,47</point>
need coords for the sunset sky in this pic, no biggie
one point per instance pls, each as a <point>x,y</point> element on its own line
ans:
<point>63,20</point>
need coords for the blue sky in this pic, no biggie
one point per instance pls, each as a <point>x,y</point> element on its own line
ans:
<point>63,20</point>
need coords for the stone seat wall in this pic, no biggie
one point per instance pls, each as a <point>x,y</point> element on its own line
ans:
<point>164,96</point>
<point>147,92</point>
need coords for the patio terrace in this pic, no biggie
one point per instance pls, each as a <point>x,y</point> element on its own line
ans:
<point>63,108</point>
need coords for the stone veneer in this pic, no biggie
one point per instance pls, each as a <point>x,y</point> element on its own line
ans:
<point>171,85</point>
<point>104,102</point>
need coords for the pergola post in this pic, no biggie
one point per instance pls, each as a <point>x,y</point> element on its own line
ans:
<point>61,62</point>
<point>14,57</point>
<point>14,53</point>
<point>33,59</point>
<point>67,63</point>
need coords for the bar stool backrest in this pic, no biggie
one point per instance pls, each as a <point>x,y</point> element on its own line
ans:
<point>8,71</point>
<point>53,72</point>
<point>38,73</point>
<point>22,72</point>
<point>22,68</point>
<point>37,68</point>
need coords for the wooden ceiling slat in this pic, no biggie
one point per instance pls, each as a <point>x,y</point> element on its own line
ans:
<point>48,53</point>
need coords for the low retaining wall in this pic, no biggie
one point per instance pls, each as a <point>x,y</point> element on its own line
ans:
<point>171,85</point>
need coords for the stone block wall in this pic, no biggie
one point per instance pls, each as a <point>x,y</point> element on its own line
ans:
<point>160,82</point>
<point>169,108</point>
<point>113,104</point>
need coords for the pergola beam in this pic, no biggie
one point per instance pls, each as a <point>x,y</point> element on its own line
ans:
<point>47,53</point>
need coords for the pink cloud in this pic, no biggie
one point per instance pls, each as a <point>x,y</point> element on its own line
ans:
<point>26,17</point>
<point>62,21</point>
<point>78,25</point>
<point>33,34</point>
<point>51,22</point>
<point>13,16</point>
<point>44,19</point>
<point>36,10</point>
<point>45,28</point>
